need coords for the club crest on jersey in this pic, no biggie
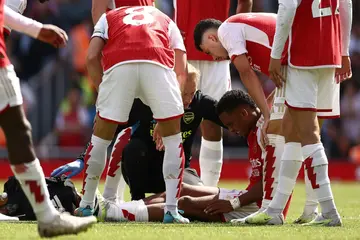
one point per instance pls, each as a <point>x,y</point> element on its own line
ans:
<point>188,117</point>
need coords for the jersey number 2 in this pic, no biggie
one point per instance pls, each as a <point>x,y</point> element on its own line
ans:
<point>317,11</point>
<point>137,16</point>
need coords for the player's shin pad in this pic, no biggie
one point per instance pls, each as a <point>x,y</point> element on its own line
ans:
<point>211,160</point>
<point>130,211</point>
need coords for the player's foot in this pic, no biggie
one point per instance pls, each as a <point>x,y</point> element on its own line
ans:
<point>174,218</point>
<point>264,218</point>
<point>101,215</point>
<point>8,218</point>
<point>65,224</point>
<point>84,212</point>
<point>240,221</point>
<point>306,218</point>
<point>333,220</point>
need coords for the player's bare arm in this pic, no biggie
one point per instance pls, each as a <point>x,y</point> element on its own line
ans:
<point>254,87</point>
<point>180,67</point>
<point>93,60</point>
<point>225,206</point>
<point>98,8</point>
<point>244,6</point>
<point>47,33</point>
<point>345,72</point>
<point>285,18</point>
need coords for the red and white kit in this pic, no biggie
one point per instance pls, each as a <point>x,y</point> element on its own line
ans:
<point>122,3</point>
<point>10,92</point>
<point>258,173</point>
<point>138,61</point>
<point>215,75</point>
<point>310,83</point>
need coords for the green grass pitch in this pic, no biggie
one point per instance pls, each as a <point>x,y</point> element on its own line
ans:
<point>347,196</point>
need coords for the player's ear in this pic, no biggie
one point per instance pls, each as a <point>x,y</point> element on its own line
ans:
<point>213,37</point>
<point>244,112</point>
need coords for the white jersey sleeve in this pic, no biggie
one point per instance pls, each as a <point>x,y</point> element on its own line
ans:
<point>176,40</point>
<point>345,9</point>
<point>20,23</point>
<point>232,38</point>
<point>17,6</point>
<point>284,21</point>
<point>101,28</point>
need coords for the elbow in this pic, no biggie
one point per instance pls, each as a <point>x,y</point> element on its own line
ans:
<point>92,58</point>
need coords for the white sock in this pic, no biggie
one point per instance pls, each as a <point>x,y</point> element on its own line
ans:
<point>114,175</point>
<point>318,175</point>
<point>289,170</point>
<point>32,180</point>
<point>311,202</point>
<point>95,159</point>
<point>272,162</point>
<point>121,189</point>
<point>128,211</point>
<point>173,169</point>
<point>211,160</point>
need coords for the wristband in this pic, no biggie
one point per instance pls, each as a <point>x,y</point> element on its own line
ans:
<point>235,203</point>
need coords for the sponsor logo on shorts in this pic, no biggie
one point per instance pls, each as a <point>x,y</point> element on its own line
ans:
<point>188,117</point>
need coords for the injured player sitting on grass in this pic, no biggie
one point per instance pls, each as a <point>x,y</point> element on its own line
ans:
<point>239,113</point>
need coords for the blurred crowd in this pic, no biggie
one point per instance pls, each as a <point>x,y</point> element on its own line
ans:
<point>59,98</point>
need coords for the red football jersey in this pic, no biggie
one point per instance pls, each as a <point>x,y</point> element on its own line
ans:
<point>189,12</point>
<point>138,34</point>
<point>255,160</point>
<point>4,61</point>
<point>315,39</point>
<point>251,34</point>
<point>122,3</point>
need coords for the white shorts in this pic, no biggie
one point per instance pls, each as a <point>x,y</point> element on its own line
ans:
<point>156,86</point>
<point>227,194</point>
<point>215,77</point>
<point>10,91</point>
<point>335,113</point>
<point>310,89</point>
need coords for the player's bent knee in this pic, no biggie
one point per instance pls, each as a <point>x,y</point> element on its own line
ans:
<point>104,129</point>
<point>211,131</point>
<point>169,127</point>
<point>184,202</point>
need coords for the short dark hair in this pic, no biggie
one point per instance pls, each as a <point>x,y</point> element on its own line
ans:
<point>202,27</point>
<point>232,99</point>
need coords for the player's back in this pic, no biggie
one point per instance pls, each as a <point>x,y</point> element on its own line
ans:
<point>189,12</point>
<point>138,34</point>
<point>315,39</point>
<point>253,31</point>
<point>123,3</point>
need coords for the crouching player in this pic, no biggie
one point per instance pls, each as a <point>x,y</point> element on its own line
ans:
<point>239,113</point>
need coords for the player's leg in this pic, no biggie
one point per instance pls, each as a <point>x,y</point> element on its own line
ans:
<point>25,165</point>
<point>114,175</point>
<point>160,90</point>
<point>114,102</point>
<point>214,81</point>
<point>316,160</point>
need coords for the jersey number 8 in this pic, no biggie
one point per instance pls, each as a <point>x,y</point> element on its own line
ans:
<point>137,16</point>
<point>322,12</point>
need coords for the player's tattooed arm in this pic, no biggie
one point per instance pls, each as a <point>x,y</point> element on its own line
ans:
<point>244,6</point>
<point>98,8</point>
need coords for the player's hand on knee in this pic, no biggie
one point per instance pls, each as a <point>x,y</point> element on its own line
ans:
<point>158,139</point>
<point>275,72</point>
<point>74,168</point>
<point>53,35</point>
<point>345,71</point>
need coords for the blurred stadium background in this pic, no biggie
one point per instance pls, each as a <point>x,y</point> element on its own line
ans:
<point>59,99</point>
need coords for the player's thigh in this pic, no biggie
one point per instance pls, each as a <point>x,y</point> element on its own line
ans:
<point>197,191</point>
<point>215,78</point>
<point>301,89</point>
<point>117,92</point>
<point>330,89</point>
<point>191,177</point>
<point>160,90</point>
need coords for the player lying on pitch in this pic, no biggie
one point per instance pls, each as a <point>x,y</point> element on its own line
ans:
<point>141,162</point>
<point>240,114</point>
